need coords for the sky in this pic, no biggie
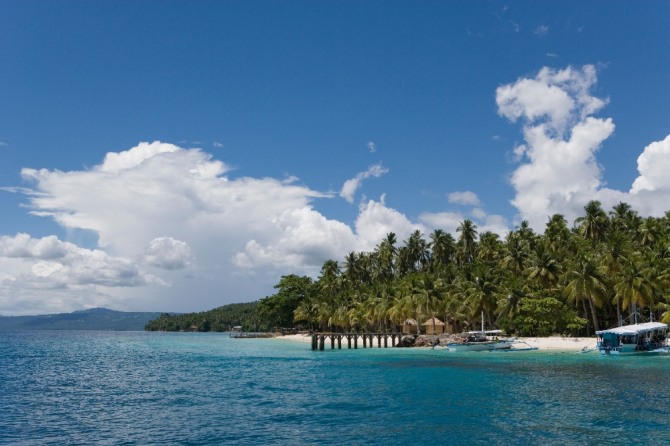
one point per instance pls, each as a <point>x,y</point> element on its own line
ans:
<point>178,155</point>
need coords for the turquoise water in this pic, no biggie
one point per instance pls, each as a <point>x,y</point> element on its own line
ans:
<point>182,388</point>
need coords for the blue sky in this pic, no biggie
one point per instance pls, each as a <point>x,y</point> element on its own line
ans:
<point>176,156</point>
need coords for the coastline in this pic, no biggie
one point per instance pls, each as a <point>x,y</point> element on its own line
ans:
<point>553,343</point>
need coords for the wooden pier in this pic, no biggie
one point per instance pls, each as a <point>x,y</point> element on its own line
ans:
<point>352,340</point>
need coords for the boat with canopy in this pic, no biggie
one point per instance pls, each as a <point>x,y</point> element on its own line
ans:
<point>644,338</point>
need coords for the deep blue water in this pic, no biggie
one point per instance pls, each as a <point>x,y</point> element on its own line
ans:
<point>186,388</point>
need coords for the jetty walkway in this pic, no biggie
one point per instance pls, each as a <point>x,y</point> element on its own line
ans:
<point>352,339</point>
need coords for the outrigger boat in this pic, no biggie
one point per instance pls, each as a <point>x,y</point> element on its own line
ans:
<point>481,340</point>
<point>647,337</point>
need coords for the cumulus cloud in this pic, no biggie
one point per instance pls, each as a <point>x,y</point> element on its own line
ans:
<point>558,171</point>
<point>352,185</point>
<point>159,207</point>
<point>372,147</point>
<point>168,253</point>
<point>465,198</point>
<point>56,273</point>
<point>450,221</point>
<point>375,220</point>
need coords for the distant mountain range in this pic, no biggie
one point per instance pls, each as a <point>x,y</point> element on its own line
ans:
<point>93,319</point>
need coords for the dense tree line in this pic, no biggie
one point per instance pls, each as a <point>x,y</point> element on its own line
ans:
<point>574,280</point>
<point>606,268</point>
<point>219,319</point>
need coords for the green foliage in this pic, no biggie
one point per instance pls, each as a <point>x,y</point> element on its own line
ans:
<point>277,310</point>
<point>219,319</point>
<point>546,316</point>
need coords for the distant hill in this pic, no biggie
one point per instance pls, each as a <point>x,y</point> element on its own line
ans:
<point>93,319</point>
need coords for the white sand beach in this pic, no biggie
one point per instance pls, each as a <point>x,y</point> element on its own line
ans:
<point>554,343</point>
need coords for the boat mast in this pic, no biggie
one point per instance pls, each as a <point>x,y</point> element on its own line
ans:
<point>482,320</point>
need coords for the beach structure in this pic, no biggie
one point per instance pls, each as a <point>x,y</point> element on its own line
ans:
<point>434,326</point>
<point>648,337</point>
<point>352,340</point>
<point>409,326</point>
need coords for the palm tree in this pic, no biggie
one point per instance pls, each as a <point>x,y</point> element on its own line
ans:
<point>386,254</point>
<point>480,294</point>
<point>429,295</point>
<point>443,247</point>
<point>586,282</point>
<point>516,253</point>
<point>593,225</point>
<point>632,287</point>
<point>544,269</point>
<point>467,241</point>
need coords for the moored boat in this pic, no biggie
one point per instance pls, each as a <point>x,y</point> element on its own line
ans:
<point>481,341</point>
<point>644,338</point>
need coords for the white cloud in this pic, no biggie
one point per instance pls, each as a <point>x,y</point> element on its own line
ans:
<point>559,172</point>
<point>352,185</point>
<point>168,253</point>
<point>466,198</point>
<point>653,165</point>
<point>51,273</point>
<point>450,221</point>
<point>375,220</point>
<point>158,207</point>
<point>447,221</point>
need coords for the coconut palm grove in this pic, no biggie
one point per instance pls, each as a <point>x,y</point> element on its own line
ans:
<point>607,268</point>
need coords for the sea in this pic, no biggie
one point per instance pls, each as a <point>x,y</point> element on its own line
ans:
<point>146,388</point>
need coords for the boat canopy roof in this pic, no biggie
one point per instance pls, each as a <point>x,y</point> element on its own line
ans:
<point>635,328</point>
<point>486,332</point>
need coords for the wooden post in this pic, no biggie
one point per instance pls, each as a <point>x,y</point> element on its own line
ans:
<point>355,341</point>
<point>349,340</point>
<point>332,342</point>
<point>322,340</point>
<point>314,347</point>
<point>339,342</point>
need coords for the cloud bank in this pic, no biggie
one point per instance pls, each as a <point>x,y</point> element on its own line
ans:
<point>172,226</point>
<point>558,171</point>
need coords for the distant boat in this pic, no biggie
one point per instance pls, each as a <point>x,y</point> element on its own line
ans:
<point>645,338</point>
<point>481,340</point>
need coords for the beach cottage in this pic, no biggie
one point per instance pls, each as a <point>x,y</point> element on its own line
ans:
<point>409,326</point>
<point>434,326</point>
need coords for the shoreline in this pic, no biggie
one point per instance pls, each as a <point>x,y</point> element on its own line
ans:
<point>551,343</point>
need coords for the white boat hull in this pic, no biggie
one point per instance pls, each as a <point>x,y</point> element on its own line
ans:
<point>479,346</point>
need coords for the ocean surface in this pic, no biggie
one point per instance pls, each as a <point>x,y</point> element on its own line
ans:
<point>137,388</point>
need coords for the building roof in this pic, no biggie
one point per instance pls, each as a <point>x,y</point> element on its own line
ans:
<point>433,321</point>
<point>635,328</point>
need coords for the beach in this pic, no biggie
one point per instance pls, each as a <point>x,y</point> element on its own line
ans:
<point>553,343</point>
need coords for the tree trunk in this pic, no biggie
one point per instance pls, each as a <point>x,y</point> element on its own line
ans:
<point>594,315</point>
<point>586,315</point>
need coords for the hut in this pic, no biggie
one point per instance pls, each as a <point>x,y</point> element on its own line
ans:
<point>434,326</point>
<point>409,326</point>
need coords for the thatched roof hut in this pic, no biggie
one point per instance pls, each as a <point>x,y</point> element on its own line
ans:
<point>434,326</point>
<point>409,326</point>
